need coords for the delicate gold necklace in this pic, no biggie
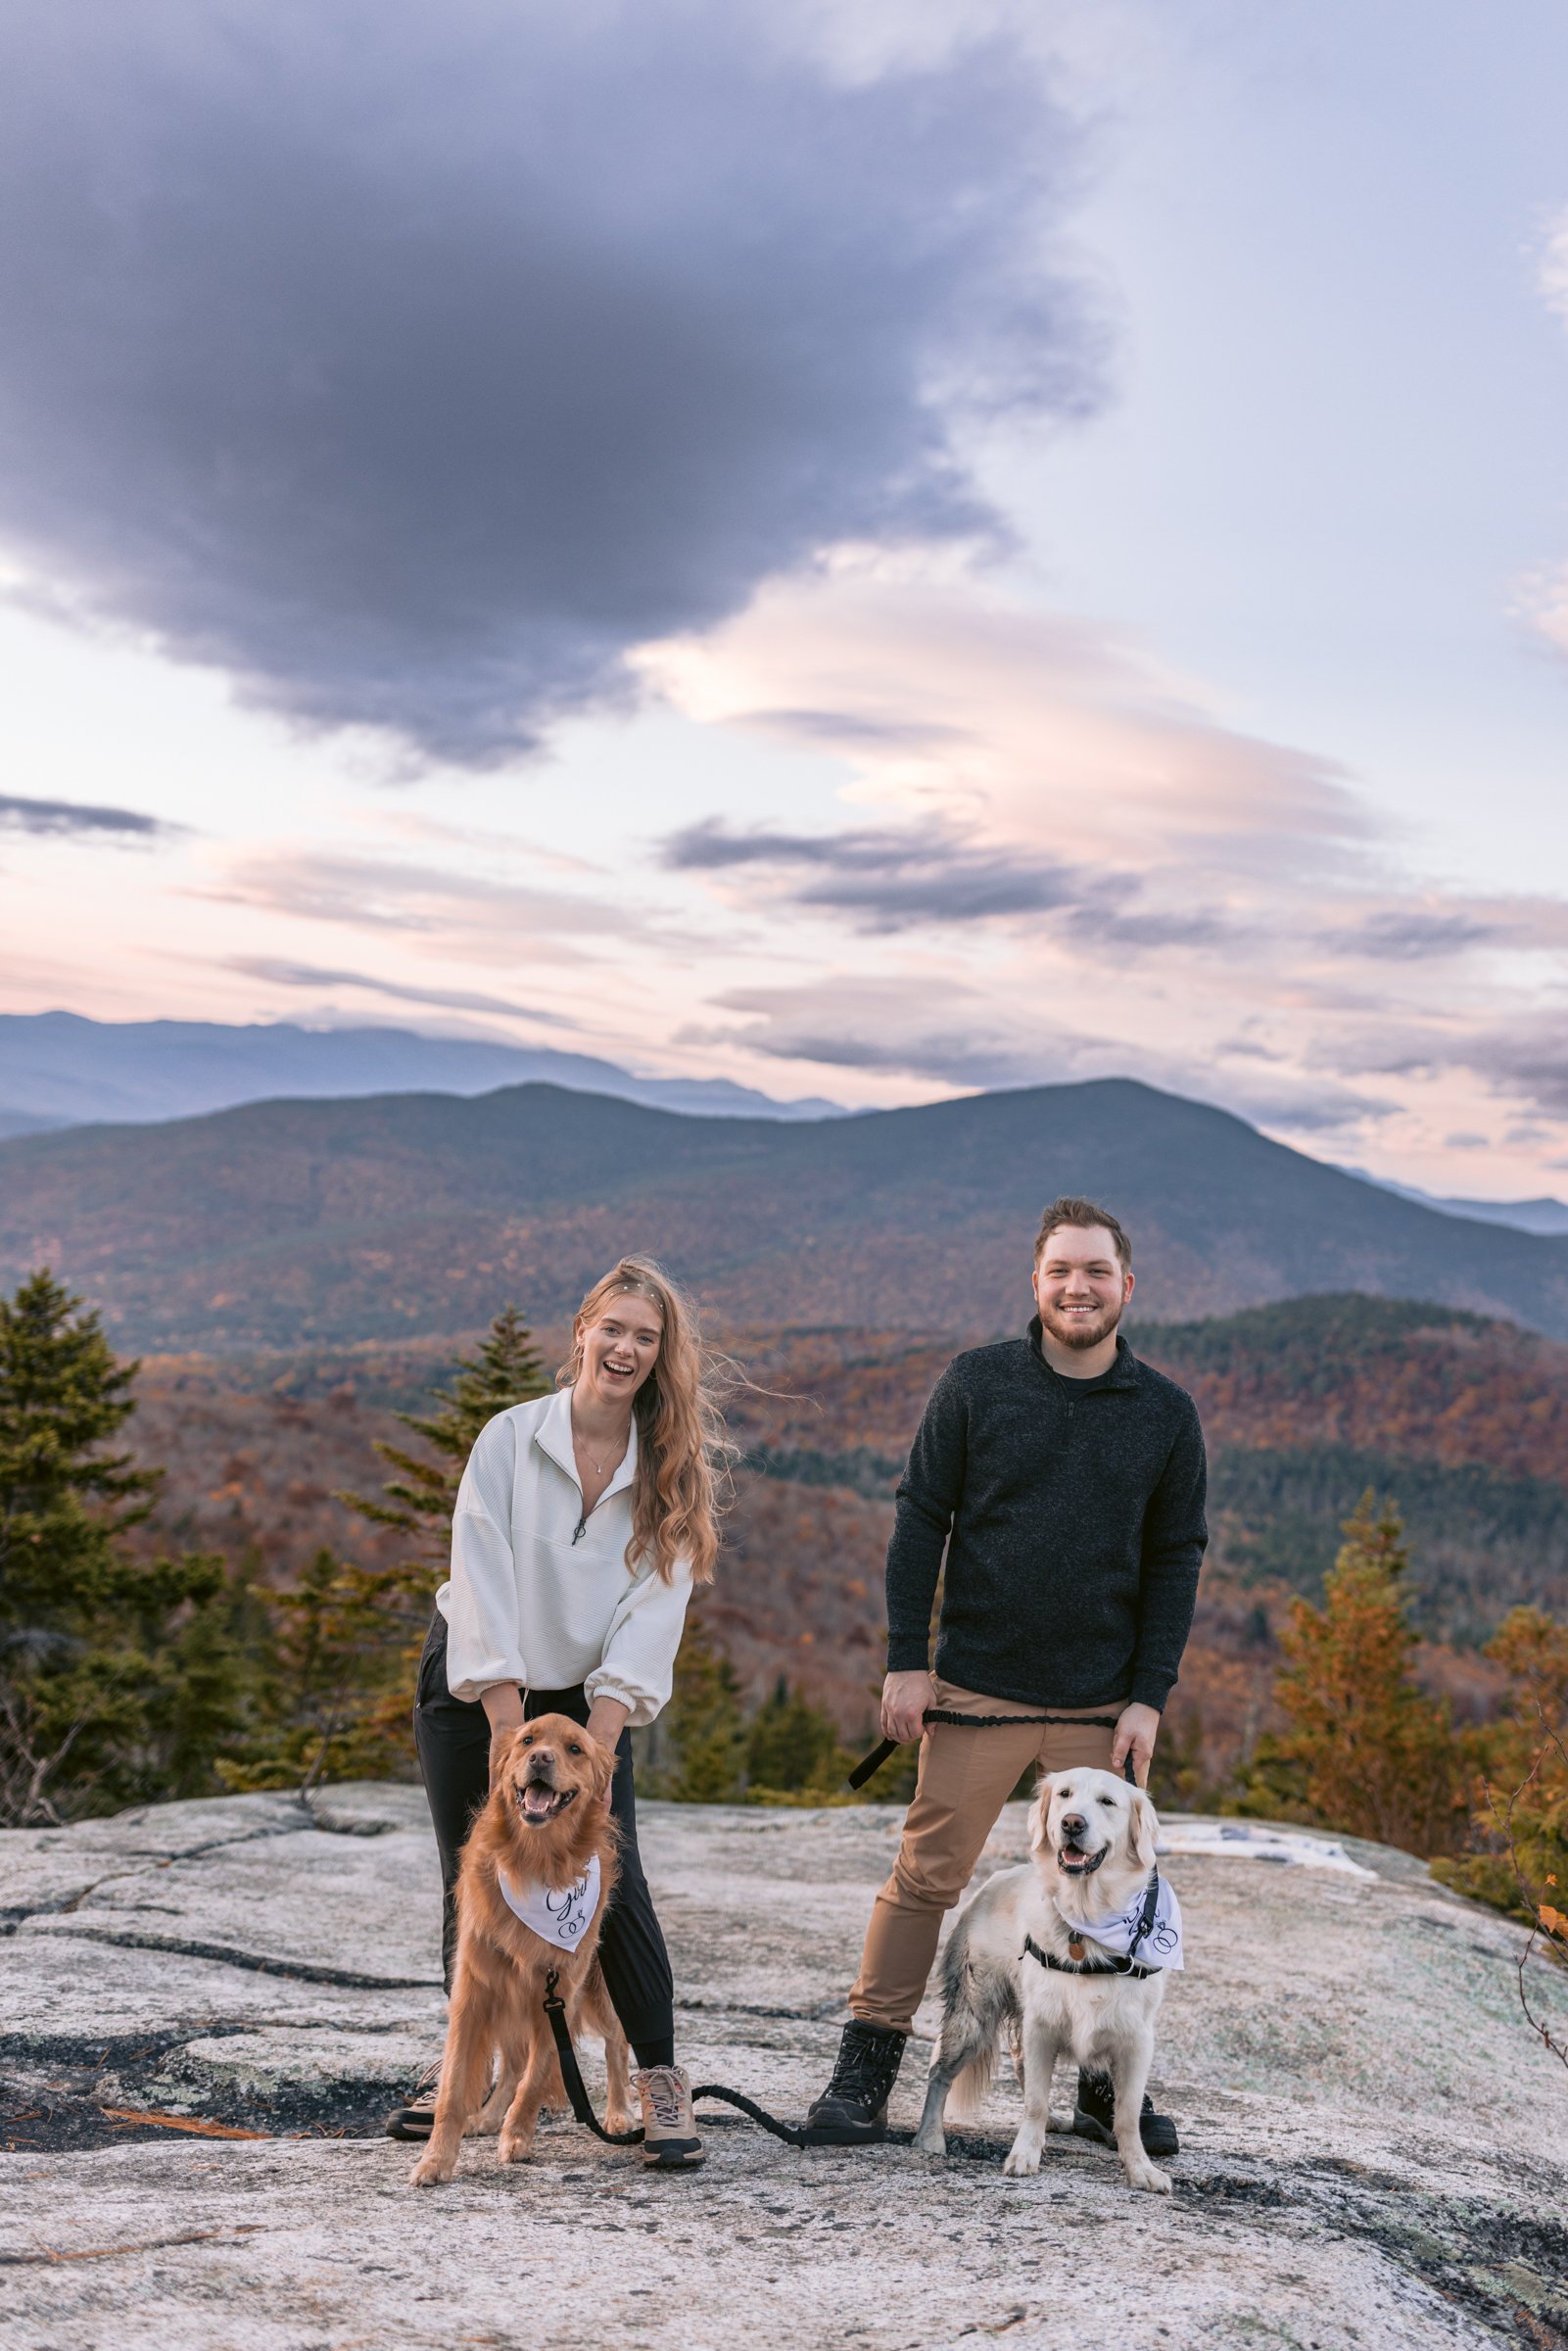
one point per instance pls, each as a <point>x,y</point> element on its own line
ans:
<point>579,1440</point>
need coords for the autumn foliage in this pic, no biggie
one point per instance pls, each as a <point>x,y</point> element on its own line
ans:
<point>1364,1748</point>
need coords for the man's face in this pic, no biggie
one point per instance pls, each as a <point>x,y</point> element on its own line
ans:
<point>1080,1285</point>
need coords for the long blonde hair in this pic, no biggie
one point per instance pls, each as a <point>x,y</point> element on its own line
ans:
<point>684,1453</point>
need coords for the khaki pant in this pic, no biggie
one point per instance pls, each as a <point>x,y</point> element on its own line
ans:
<point>966,1777</point>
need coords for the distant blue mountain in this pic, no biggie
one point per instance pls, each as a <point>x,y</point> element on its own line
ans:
<point>1544,1216</point>
<point>59,1070</point>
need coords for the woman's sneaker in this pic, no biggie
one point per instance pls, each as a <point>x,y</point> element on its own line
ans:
<point>418,2118</point>
<point>670,2140</point>
<point>852,2111</point>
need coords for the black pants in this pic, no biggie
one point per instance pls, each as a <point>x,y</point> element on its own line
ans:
<point>452,1736</point>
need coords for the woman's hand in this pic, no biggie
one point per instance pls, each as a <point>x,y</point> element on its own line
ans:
<point>502,1702</point>
<point>606,1720</point>
<point>905,1699</point>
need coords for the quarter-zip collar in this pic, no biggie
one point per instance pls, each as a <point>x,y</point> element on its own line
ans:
<point>554,1437</point>
<point>1123,1372</point>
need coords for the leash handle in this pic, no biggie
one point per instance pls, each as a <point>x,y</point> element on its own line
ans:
<point>870,1765</point>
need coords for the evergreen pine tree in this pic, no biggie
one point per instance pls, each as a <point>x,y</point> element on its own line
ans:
<point>113,1673</point>
<point>792,1747</point>
<point>422,1494</point>
<point>63,1498</point>
<point>702,1723</point>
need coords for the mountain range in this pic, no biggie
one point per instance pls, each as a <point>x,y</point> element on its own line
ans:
<point>309,1223</point>
<point>1543,1215</point>
<point>58,1068</point>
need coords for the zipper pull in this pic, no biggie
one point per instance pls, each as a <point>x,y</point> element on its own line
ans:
<point>578,1530</point>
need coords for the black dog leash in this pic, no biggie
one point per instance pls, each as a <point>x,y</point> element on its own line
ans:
<point>870,1765</point>
<point>583,2105</point>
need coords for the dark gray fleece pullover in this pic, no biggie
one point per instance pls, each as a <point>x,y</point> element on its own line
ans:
<point>1073,1516</point>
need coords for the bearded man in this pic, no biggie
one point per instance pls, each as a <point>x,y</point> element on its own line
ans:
<point>1065,1479</point>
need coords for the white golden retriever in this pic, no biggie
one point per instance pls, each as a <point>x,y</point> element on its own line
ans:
<point>1093,1840</point>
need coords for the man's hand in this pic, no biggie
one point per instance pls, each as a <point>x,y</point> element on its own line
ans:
<point>905,1699</point>
<point>1137,1729</point>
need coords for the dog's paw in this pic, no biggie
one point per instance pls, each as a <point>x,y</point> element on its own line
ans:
<point>933,2141</point>
<point>1059,2121</point>
<point>1024,2158</point>
<point>1150,2178</point>
<point>513,2148</point>
<point>430,2171</point>
<point>617,2120</point>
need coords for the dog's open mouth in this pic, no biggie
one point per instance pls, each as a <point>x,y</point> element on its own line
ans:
<point>538,1803</point>
<point>1077,1863</point>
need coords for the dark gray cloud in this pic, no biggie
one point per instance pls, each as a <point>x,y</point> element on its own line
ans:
<point>884,878</point>
<point>410,364</point>
<point>72,817</point>
<point>446,999</point>
<point>1413,935</point>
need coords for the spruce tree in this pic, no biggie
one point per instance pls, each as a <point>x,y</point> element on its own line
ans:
<point>792,1747</point>
<point>117,1678</point>
<point>63,1498</point>
<point>422,1494</point>
<point>703,1724</point>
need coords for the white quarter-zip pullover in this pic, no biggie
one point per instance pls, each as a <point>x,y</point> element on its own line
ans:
<point>541,1595</point>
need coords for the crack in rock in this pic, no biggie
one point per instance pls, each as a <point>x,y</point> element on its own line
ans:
<point>298,1971</point>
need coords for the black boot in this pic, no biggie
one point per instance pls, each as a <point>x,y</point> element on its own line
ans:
<point>852,2110</point>
<point>1097,2113</point>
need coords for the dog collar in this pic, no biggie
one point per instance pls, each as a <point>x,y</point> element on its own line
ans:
<point>1143,1939</point>
<point>559,1915</point>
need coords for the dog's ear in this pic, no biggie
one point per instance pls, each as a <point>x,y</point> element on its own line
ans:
<point>501,1746</point>
<point>1143,1828</point>
<point>1038,1832</point>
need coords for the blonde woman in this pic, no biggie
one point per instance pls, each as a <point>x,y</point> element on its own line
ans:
<point>583,1521</point>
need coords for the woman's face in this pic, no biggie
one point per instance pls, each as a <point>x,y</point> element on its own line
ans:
<point>620,1349</point>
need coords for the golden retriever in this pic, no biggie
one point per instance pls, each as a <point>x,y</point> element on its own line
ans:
<point>545,1826</point>
<point>1093,1838</point>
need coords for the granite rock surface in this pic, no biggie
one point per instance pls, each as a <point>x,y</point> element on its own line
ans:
<point>1373,2145</point>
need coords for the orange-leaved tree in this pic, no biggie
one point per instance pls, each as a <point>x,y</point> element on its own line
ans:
<point>1365,1749</point>
<point>1519,1820</point>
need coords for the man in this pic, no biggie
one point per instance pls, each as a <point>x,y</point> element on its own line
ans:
<point>1066,1481</point>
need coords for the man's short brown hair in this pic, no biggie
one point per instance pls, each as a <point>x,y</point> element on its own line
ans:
<point>1083,1216</point>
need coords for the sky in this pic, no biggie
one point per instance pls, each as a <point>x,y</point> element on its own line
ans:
<point>874,550</point>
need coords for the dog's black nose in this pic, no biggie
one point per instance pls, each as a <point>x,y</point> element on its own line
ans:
<point>1074,1824</point>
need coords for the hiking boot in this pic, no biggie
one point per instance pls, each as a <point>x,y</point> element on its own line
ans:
<point>418,2118</point>
<point>1097,2114</point>
<point>852,2111</point>
<point>670,2140</point>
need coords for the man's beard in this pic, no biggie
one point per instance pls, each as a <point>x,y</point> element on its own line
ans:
<point>1081,1332</point>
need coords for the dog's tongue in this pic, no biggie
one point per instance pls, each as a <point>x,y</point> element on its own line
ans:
<point>538,1800</point>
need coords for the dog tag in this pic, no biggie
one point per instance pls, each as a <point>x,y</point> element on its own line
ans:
<point>1076,1952</point>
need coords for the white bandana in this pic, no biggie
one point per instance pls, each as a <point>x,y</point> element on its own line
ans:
<point>1160,1946</point>
<point>562,1917</point>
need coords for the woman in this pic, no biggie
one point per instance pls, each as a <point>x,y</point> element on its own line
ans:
<point>583,1521</point>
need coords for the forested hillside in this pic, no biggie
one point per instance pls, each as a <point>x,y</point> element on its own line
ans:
<point>1305,1404</point>
<point>333,1224</point>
